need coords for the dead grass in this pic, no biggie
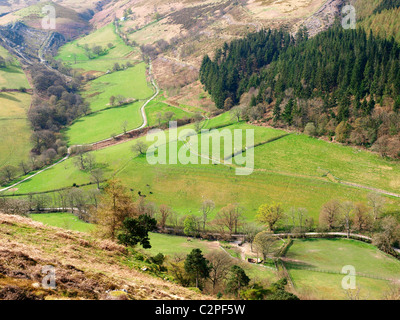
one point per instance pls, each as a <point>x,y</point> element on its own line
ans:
<point>86,268</point>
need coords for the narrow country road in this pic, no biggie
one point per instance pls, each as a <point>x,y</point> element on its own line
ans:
<point>144,124</point>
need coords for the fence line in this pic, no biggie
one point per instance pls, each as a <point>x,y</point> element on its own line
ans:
<point>361,274</point>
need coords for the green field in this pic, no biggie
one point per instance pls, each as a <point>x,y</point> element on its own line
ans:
<point>155,107</point>
<point>184,186</point>
<point>170,245</point>
<point>62,220</point>
<point>104,120</point>
<point>12,76</point>
<point>325,286</point>
<point>332,255</point>
<point>74,51</point>
<point>131,83</point>
<point>312,157</point>
<point>101,125</point>
<point>15,138</point>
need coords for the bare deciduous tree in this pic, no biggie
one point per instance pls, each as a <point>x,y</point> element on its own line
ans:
<point>329,215</point>
<point>363,219</point>
<point>377,203</point>
<point>206,207</point>
<point>140,147</point>
<point>24,167</point>
<point>8,173</point>
<point>347,211</point>
<point>124,126</point>
<point>389,234</point>
<point>220,264</point>
<point>165,212</point>
<point>236,113</point>
<point>263,242</point>
<point>250,230</point>
<point>229,217</point>
<point>96,176</point>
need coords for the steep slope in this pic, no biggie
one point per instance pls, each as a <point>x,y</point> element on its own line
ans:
<point>28,43</point>
<point>68,22</point>
<point>8,6</point>
<point>177,34</point>
<point>382,17</point>
<point>85,268</point>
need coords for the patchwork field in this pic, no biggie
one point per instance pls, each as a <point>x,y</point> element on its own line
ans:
<point>105,120</point>
<point>101,125</point>
<point>130,83</point>
<point>184,186</point>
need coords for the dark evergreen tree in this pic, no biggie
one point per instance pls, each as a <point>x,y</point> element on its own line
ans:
<point>197,266</point>
<point>237,280</point>
<point>137,230</point>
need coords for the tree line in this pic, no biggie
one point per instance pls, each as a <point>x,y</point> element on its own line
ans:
<point>118,217</point>
<point>55,104</point>
<point>344,82</point>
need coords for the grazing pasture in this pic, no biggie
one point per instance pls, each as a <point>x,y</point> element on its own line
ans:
<point>14,127</point>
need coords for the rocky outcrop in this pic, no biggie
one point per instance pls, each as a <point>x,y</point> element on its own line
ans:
<point>29,43</point>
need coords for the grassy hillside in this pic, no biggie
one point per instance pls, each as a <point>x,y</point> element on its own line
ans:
<point>316,254</point>
<point>292,170</point>
<point>12,76</point>
<point>98,126</point>
<point>156,107</point>
<point>131,83</point>
<point>105,120</point>
<point>15,142</point>
<point>85,267</point>
<point>68,22</point>
<point>15,138</point>
<point>74,54</point>
<point>314,270</point>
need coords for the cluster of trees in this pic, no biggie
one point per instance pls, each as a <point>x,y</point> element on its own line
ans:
<point>77,200</point>
<point>345,82</point>
<point>95,51</point>
<point>387,5</point>
<point>153,50</point>
<point>5,62</point>
<point>217,273</point>
<point>54,147</point>
<point>361,218</point>
<point>163,119</point>
<point>118,67</point>
<point>118,100</point>
<point>116,208</point>
<point>56,105</point>
<point>166,116</point>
